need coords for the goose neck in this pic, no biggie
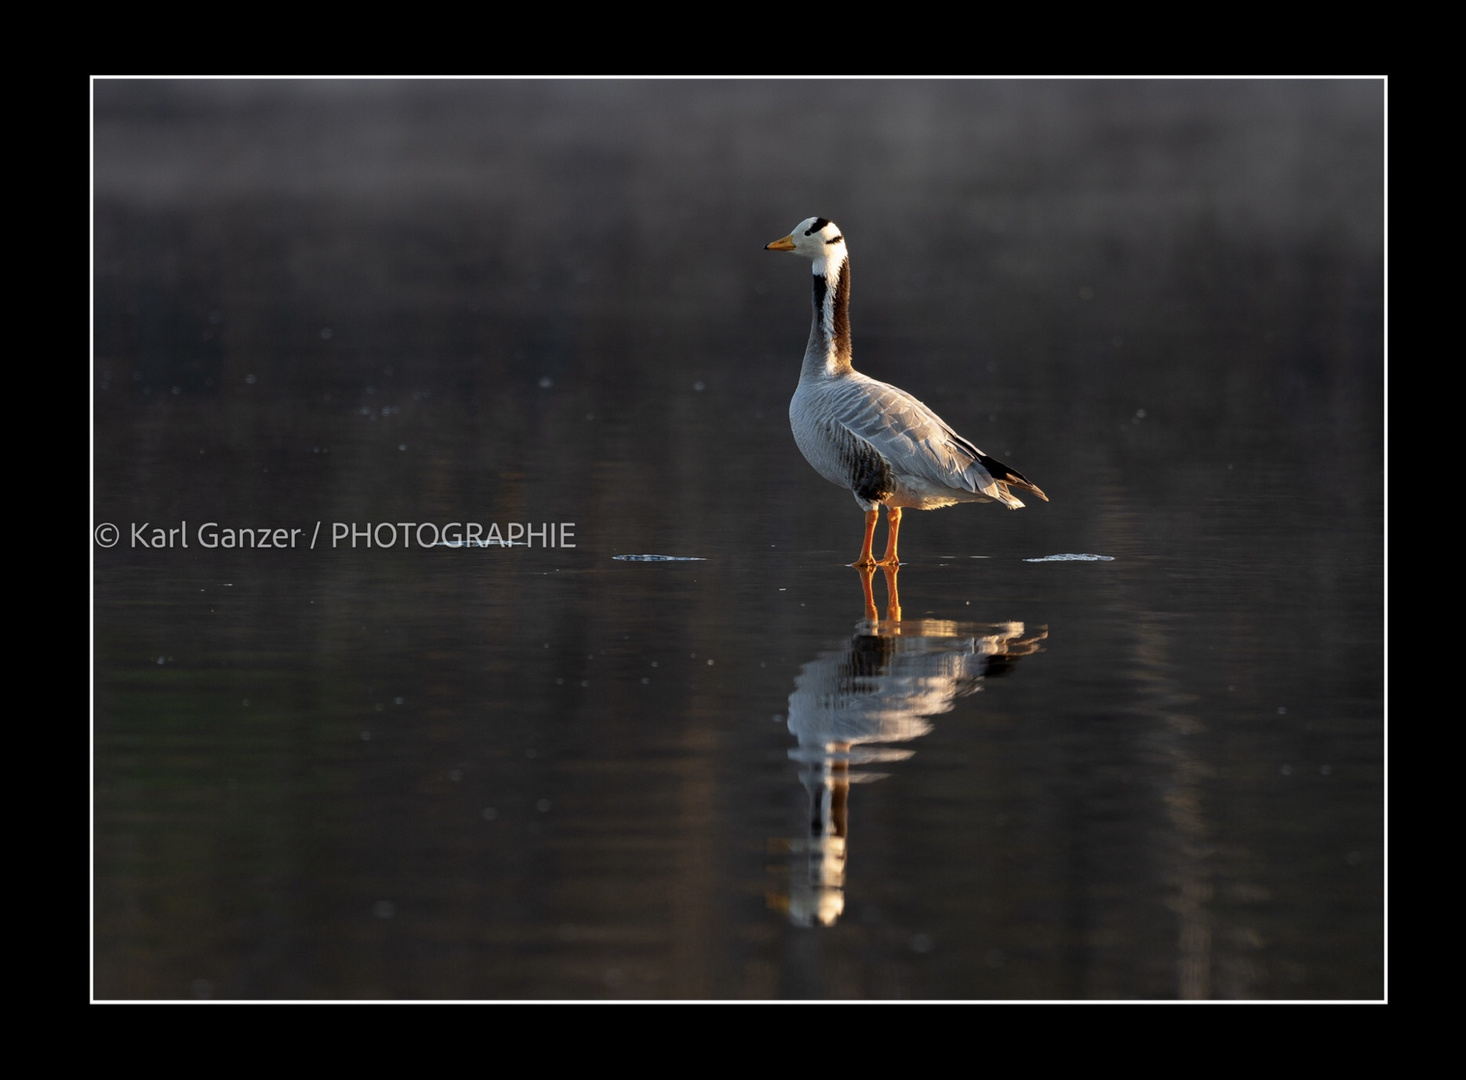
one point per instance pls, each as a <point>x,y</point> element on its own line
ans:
<point>828,351</point>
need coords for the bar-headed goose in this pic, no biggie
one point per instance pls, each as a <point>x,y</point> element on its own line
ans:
<point>878,441</point>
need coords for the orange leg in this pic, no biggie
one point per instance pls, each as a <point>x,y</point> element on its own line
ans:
<point>866,558</point>
<point>893,527</point>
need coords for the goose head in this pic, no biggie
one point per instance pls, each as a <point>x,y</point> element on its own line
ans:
<point>815,238</point>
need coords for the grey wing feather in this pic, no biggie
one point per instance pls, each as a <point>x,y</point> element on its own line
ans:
<point>916,442</point>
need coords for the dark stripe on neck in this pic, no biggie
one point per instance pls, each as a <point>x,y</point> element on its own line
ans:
<point>842,312</point>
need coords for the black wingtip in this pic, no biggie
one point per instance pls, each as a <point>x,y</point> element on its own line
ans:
<point>1012,477</point>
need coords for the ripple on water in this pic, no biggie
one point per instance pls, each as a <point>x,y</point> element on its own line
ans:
<point>658,558</point>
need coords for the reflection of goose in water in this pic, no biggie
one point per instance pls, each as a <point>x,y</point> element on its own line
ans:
<point>868,436</point>
<point>879,688</point>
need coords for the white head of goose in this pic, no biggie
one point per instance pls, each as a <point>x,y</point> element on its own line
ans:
<point>878,441</point>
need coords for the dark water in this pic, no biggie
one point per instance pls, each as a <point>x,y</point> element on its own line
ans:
<point>335,770</point>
